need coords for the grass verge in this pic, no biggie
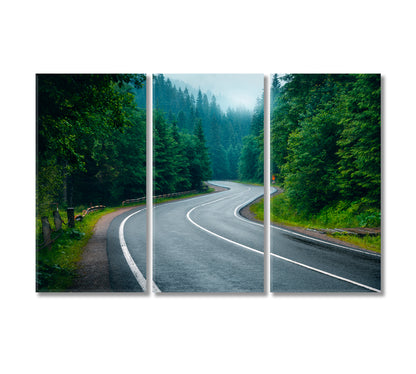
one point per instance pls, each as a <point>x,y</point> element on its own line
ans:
<point>56,266</point>
<point>343,215</point>
<point>248,182</point>
<point>372,243</point>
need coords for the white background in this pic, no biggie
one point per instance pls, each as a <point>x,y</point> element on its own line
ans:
<point>206,334</point>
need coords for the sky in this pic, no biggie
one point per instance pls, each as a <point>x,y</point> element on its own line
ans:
<point>230,90</point>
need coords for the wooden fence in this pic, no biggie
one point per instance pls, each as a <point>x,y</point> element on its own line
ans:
<point>79,217</point>
<point>58,222</point>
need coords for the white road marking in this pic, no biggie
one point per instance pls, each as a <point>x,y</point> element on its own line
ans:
<point>237,215</point>
<point>327,243</point>
<point>133,267</point>
<point>241,218</point>
<point>238,208</point>
<point>272,254</point>
<point>183,200</point>
<point>188,216</point>
<point>326,273</point>
<point>218,236</point>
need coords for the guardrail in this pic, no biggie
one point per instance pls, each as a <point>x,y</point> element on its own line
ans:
<point>173,194</point>
<point>128,201</point>
<point>79,217</point>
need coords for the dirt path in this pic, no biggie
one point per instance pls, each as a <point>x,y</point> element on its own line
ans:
<point>93,271</point>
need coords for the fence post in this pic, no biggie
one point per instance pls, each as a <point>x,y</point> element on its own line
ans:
<point>71,218</point>
<point>46,230</point>
<point>57,220</point>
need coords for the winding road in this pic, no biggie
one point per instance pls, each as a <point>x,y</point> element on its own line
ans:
<point>202,244</point>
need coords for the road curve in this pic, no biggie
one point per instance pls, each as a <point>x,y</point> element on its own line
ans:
<point>126,251</point>
<point>202,244</point>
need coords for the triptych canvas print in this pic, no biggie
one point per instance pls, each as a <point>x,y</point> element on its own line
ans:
<point>157,183</point>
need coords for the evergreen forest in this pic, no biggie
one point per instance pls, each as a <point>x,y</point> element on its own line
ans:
<point>194,140</point>
<point>325,145</point>
<point>91,139</point>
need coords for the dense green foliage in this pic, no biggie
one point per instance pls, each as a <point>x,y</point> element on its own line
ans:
<point>223,133</point>
<point>251,165</point>
<point>181,161</point>
<point>90,139</point>
<point>325,141</point>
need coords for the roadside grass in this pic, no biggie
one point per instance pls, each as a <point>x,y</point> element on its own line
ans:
<point>342,215</point>
<point>372,243</point>
<point>247,182</point>
<point>182,197</point>
<point>56,266</point>
<point>258,209</point>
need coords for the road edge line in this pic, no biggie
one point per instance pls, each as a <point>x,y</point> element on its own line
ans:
<point>275,255</point>
<point>141,280</point>
<point>239,216</point>
<point>326,273</point>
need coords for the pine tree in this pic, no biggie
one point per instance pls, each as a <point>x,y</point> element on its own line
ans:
<point>251,164</point>
<point>202,159</point>
<point>165,173</point>
<point>275,91</point>
<point>224,132</point>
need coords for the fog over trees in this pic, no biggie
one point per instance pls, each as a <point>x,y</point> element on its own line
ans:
<point>233,140</point>
<point>91,139</point>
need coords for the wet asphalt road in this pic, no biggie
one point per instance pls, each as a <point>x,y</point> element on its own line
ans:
<point>198,244</point>
<point>203,245</point>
